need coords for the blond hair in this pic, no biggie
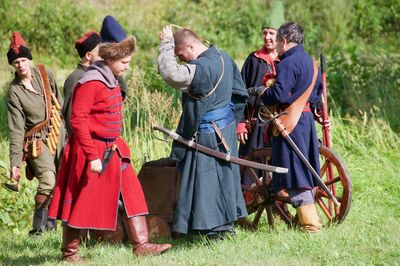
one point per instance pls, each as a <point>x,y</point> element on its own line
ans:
<point>183,36</point>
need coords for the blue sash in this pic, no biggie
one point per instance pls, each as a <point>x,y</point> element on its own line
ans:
<point>222,117</point>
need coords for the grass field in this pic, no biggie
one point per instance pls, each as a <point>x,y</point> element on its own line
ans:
<point>363,69</point>
<point>368,236</point>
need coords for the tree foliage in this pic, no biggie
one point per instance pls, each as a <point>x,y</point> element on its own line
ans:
<point>49,27</point>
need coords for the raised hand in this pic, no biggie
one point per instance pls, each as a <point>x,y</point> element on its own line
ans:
<point>166,33</point>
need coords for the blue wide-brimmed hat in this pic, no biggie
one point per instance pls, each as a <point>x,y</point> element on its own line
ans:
<point>112,31</point>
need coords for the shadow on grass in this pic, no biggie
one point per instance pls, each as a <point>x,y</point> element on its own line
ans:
<point>28,260</point>
<point>30,251</point>
<point>46,249</point>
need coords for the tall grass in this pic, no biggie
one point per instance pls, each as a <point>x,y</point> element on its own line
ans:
<point>144,108</point>
<point>363,90</point>
<point>368,236</point>
<point>365,135</point>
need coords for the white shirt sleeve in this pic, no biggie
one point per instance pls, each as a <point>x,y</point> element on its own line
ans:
<point>177,75</point>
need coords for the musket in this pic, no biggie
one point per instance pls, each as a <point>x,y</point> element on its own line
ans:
<point>264,111</point>
<point>220,155</point>
<point>326,138</point>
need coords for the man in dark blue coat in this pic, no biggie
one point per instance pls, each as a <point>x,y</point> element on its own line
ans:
<point>294,75</point>
<point>210,196</point>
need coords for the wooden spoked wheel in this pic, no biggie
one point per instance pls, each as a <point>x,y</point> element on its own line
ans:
<point>257,193</point>
<point>259,197</point>
<point>337,179</point>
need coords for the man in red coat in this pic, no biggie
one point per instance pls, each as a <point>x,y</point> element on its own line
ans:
<point>88,189</point>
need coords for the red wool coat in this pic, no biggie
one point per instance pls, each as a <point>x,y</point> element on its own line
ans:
<point>86,199</point>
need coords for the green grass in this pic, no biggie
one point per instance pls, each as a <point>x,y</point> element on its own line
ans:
<point>367,140</point>
<point>368,236</point>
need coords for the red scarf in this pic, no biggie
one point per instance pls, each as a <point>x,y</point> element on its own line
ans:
<point>264,55</point>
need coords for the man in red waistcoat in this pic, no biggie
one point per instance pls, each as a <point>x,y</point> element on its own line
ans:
<point>96,172</point>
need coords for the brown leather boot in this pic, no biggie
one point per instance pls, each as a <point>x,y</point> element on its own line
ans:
<point>136,228</point>
<point>308,218</point>
<point>70,244</point>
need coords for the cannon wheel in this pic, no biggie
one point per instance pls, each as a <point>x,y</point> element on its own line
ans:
<point>258,195</point>
<point>338,182</point>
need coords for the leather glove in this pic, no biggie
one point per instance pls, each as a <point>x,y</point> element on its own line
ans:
<point>256,91</point>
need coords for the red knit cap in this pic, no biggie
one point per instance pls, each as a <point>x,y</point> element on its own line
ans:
<point>87,43</point>
<point>18,48</point>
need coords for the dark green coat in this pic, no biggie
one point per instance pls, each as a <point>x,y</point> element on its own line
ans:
<point>69,87</point>
<point>25,109</point>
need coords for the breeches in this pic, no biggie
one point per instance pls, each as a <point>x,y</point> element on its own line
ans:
<point>300,197</point>
<point>47,180</point>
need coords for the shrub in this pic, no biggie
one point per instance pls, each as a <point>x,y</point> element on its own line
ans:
<point>48,27</point>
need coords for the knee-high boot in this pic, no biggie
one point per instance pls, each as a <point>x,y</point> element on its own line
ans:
<point>70,244</point>
<point>308,218</point>
<point>136,228</point>
<point>39,215</point>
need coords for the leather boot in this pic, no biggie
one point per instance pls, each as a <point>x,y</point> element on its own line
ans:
<point>70,244</point>
<point>308,218</point>
<point>136,228</point>
<point>39,215</point>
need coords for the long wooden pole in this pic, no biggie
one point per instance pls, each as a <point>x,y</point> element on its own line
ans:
<point>326,138</point>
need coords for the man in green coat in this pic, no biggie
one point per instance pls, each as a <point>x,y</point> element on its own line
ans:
<point>88,50</point>
<point>27,107</point>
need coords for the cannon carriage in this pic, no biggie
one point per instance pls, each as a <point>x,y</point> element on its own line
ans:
<point>332,196</point>
<point>260,198</point>
<point>160,181</point>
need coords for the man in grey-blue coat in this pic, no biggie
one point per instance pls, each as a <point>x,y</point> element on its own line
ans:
<point>210,196</point>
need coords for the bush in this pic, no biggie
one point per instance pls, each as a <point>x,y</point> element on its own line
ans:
<point>48,27</point>
<point>362,81</point>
